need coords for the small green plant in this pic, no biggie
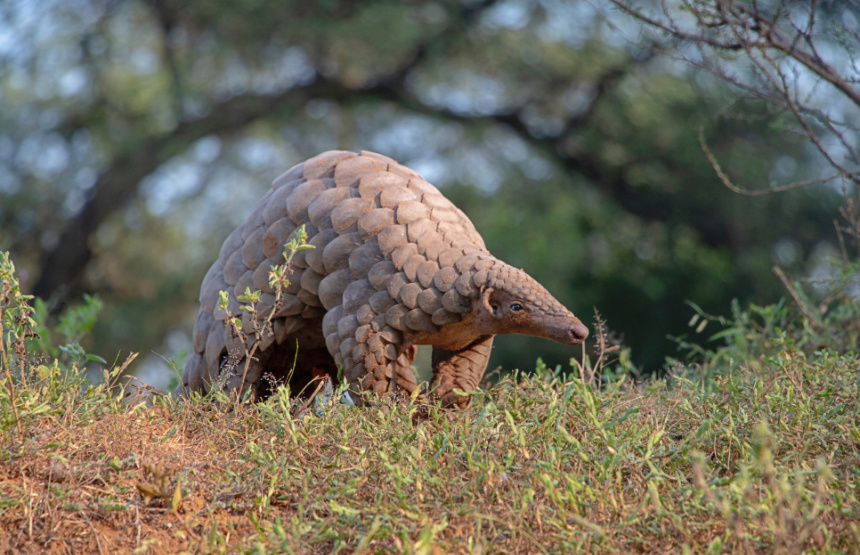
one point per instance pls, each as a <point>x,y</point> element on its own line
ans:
<point>810,322</point>
<point>612,359</point>
<point>252,328</point>
<point>40,376</point>
<point>16,327</point>
<point>63,340</point>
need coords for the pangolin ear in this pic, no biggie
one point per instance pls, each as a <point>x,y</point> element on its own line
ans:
<point>488,305</point>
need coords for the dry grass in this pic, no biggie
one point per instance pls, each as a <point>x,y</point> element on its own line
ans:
<point>756,460</point>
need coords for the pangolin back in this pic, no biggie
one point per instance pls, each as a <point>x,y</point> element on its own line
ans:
<point>392,256</point>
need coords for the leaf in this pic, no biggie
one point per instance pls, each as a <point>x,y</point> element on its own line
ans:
<point>725,333</point>
<point>96,358</point>
<point>169,434</point>
<point>567,437</point>
<point>618,419</point>
<point>365,541</point>
<point>223,300</point>
<point>337,508</point>
<point>250,296</point>
<point>177,498</point>
<point>510,418</point>
<point>149,492</point>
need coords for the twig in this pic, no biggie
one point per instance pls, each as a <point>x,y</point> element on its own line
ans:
<point>137,524</point>
<point>311,398</point>
<point>791,291</point>
<point>735,189</point>
<point>771,39</point>
<point>842,248</point>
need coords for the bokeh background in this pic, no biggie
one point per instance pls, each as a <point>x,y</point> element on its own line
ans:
<point>136,134</point>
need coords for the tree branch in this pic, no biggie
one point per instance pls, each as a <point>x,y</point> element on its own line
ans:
<point>769,37</point>
<point>166,21</point>
<point>62,267</point>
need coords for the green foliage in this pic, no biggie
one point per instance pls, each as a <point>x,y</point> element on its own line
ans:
<point>16,323</point>
<point>16,327</point>
<point>39,377</point>
<point>63,340</point>
<point>758,333</point>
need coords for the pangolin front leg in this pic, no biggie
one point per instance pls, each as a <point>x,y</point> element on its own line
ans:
<point>376,363</point>
<point>404,376</point>
<point>371,352</point>
<point>461,369</point>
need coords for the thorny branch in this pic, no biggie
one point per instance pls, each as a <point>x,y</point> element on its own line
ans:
<point>782,43</point>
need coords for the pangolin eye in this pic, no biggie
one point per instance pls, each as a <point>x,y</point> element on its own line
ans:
<point>516,307</point>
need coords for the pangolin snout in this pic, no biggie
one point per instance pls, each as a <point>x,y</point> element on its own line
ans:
<point>577,333</point>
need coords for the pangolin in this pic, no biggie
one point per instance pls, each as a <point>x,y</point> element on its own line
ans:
<point>395,265</point>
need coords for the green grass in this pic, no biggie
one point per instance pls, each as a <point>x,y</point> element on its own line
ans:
<point>753,446</point>
<point>748,461</point>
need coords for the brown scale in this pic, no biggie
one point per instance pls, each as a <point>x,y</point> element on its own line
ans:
<point>395,265</point>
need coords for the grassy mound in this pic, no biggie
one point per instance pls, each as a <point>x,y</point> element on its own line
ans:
<point>756,448</point>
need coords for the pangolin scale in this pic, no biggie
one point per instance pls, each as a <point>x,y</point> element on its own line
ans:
<point>395,265</point>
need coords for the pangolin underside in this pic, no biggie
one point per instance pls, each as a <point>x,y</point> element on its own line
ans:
<point>395,265</point>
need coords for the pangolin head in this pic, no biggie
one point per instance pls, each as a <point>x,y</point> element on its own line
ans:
<point>514,302</point>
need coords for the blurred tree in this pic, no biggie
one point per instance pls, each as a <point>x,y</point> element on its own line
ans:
<point>134,135</point>
<point>793,64</point>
